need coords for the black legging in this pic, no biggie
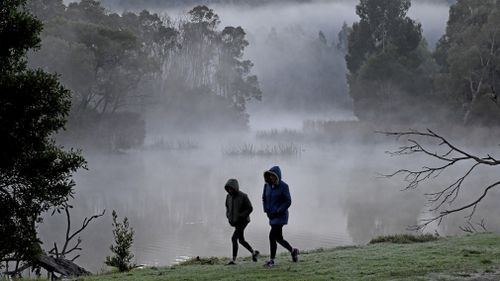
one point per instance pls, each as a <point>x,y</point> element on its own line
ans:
<point>276,235</point>
<point>239,235</point>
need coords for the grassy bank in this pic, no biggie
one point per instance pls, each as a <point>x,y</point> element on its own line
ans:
<point>474,257</point>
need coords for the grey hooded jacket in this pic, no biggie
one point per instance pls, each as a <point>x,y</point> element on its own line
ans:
<point>238,206</point>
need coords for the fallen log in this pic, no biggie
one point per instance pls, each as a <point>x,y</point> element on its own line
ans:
<point>61,266</point>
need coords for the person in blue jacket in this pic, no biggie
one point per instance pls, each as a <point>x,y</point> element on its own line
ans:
<point>276,200</point>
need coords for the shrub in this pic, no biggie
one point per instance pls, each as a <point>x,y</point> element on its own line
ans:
<point>124,238</point>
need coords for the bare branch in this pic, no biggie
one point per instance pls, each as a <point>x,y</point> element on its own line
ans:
<point>65,251</point>
<point>450,193</point>
<point>447,195</point>
<point>54,250</point>
<point>86,222</point>
<point>442,141</point>
<point>482,224</point>
<point>77,256</point>
<point>75,247</point>
<point>414,178</point>
<point>445,213</point>
<point>471,227</point>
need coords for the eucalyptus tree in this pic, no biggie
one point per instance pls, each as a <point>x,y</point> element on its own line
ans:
<point>208,67</point>
<point>234,79</point>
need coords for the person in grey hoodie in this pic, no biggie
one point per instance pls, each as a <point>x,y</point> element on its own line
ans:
<point>238,209</point>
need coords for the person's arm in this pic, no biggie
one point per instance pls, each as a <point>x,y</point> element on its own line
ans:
<point>287,200</point>
<point>247,207</point>
<point>227,210</point>
<point>264,203</point>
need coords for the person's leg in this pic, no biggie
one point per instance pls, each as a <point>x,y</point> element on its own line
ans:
<point>272,242</point>
<point>280,239</point>
<point>234,240</point>
<point>241,238</point>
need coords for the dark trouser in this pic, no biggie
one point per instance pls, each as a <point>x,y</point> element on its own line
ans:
<point>239,235</point>
<point>276,235</point>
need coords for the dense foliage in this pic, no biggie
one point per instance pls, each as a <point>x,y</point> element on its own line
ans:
<point>469,59</point>
<point>389,66</point>
<point>35,173</point>
<point>392,75</point>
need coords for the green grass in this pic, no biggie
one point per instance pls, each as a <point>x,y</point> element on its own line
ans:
<point>453,258</point>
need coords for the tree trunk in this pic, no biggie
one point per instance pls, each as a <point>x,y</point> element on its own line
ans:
<point>62,266</point>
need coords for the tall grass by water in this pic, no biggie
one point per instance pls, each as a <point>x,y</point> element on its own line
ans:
<point>247,149</point>
<point>163,144</point>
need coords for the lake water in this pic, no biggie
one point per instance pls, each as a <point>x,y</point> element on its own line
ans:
<point>174,199</point>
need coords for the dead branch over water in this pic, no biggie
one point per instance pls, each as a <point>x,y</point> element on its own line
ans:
<point>441,201</point>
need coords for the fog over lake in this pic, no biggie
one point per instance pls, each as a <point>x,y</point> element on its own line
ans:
<point>173,193</point>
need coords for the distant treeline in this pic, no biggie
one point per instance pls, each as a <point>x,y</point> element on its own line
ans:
<point>141,4</point>
<point>120,68</point>
<point>190,74</point>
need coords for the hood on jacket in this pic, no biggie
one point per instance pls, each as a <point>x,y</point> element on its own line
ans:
<point>276,171</point>
<point>233,183</point>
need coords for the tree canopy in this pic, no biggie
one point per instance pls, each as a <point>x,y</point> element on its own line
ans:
<point>35,173</point>
<point>388,62</point>
<point>469,59</point>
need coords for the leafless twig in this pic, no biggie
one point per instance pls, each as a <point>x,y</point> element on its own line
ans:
<point>449,156</point>
<point>473,227</point>
<point>65,250</point>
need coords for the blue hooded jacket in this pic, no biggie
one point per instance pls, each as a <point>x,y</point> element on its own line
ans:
<point>276,198</point>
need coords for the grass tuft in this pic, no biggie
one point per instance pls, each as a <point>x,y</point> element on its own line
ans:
<point>204,261</point>
<point>404,238</point>
<point>468,252</point>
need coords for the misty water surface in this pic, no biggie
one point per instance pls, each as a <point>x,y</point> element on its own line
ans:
<point>175,198</point>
